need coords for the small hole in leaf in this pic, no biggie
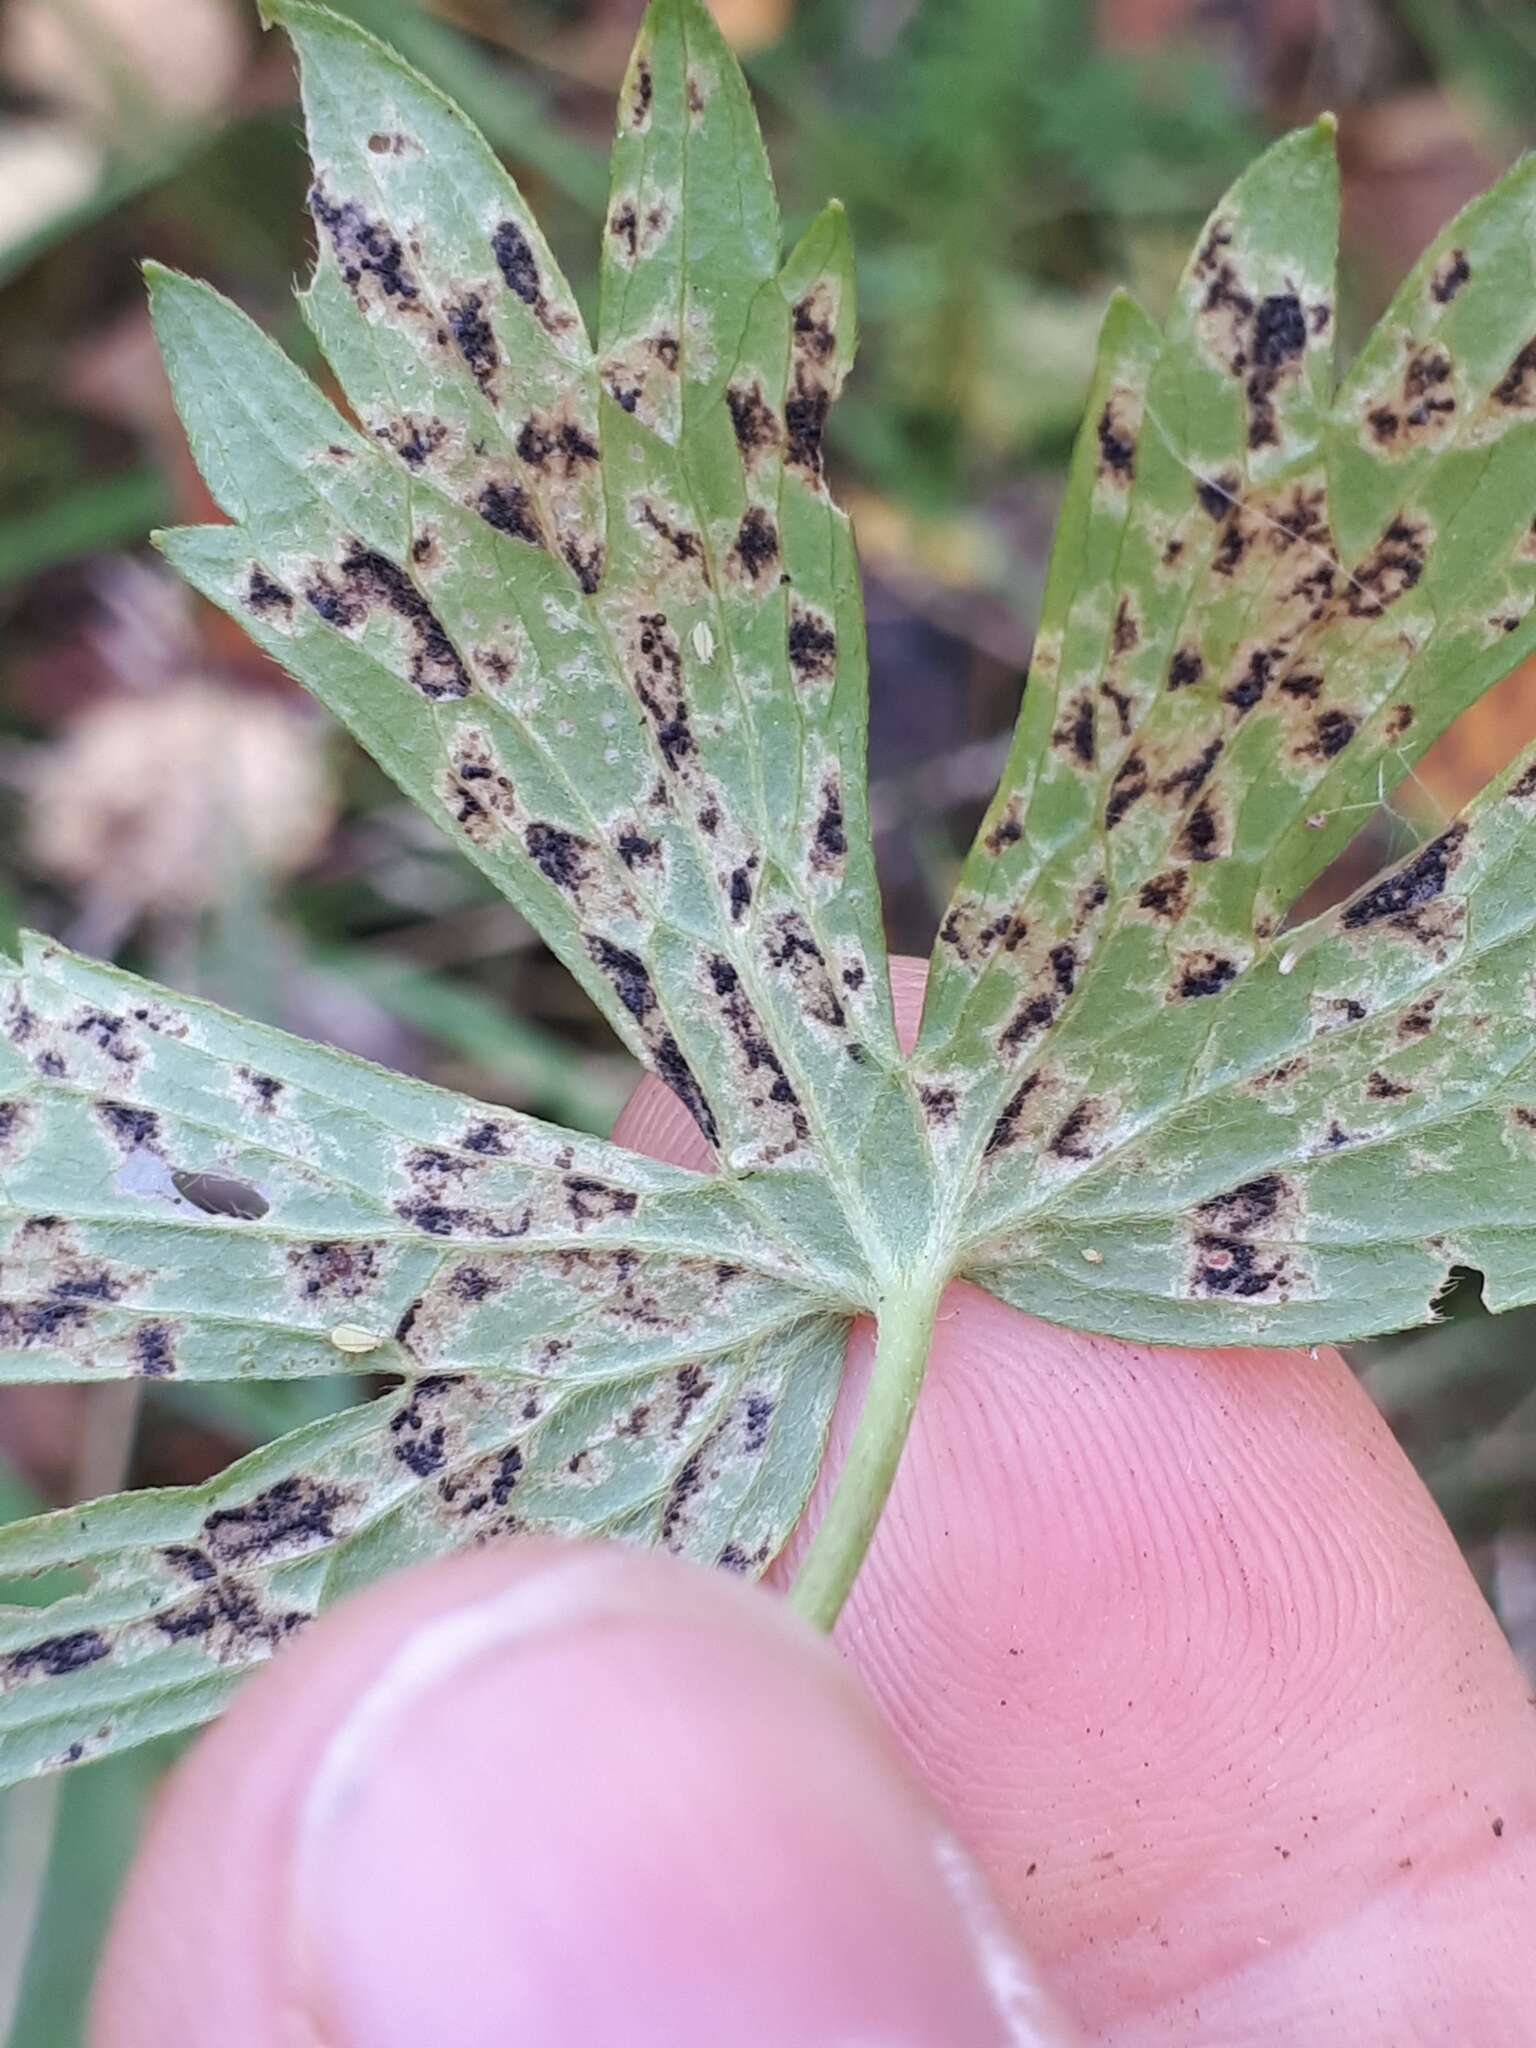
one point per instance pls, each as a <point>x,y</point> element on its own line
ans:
<point>218,1194</point>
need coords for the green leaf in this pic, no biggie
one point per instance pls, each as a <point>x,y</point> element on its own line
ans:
<point>594,609</point>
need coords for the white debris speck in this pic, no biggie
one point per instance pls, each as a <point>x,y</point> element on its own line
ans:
<point>703,642</point>
<point>1286,962</point>
<point>1094,1258</point>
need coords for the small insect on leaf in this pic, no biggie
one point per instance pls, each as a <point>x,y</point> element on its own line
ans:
<point>216,1194</point>
<point>590,601</point>
<point>355,1340</point>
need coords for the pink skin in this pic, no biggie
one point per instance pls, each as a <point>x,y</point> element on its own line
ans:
<point>1173,1641</point>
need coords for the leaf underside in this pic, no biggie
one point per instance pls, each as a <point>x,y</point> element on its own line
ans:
<point>592,607</point>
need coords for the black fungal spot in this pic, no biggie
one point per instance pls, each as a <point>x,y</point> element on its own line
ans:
<point>789,947</point>
<point>1450,276</point>
<point>364,248</point>
<point>29,1325</point>
<point>1188,781</point>
<point>632,984</point>
<point>334,1268</point>
<point>1279,339</point>
<point>657,675</point>
<point>684,545</point>
<point>1425,398</point>
<point>540,441</point>
<point>1126,633</point>
<point>265,1090</point>
<point>371,578</point>
<point>1231,546</point>
<point>1028,1021</point>
<point>667,351</point>
<point>1418,1021</point>
<point>129,1124</point>
<point>516,262</point>
<point>106,1031</point>
<point>805,419</point>
<point>1166,895</point>
<point>1128,786</point>
<point>1418,882</point>
<point>634,849</point>
<point>1075,731</point>
<point>474,338</point>
<point>1384,422</point>
<point>593,1201</point>
<point>1204,974</point>
<point>1122,705</point>
<point>1244,1210</point>
<point>57,1656</point>
<point>1117,446</point>
<point>829,844</point>
<point>640,104</point>
<point>228,1619</point>
<point>1005,1130</point>
<point>585,564</point>
<point>1381,1087</point>
<point>757,543</point>
<point>1230,1266</point>
<point>1302,684</point>
<point>1332,733</point>
<point>1250,685</point>
<point>812,646</point>
<point>1218,495</point>
<point>264,596</point>
<point>291,1516</point>
<point>1185,668</point>
<point>1517,387</point>
<point>1063,960</point>
<point>755,423</point>
<point>154,1352</point>
<point>1008,831</point>
<point>413,440</point>
<point>1067,1140</point>
<point>509,509</point>
<point>420,1436</point>
<point>1279,331</point>
<point>938,1104</point>
<point>562,857</point>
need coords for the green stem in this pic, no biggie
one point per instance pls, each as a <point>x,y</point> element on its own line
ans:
<point>831,1563</point>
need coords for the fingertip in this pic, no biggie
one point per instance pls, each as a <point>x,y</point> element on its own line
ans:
<point>556,1796</point>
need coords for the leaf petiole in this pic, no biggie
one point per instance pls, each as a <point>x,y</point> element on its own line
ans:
<point>837,1550</point>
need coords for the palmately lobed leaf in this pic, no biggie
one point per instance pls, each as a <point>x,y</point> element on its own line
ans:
<point>592,605</point>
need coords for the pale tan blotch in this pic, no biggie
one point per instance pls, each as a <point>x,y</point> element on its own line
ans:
<point>760,1071</point>
<point>676,547</point>
<point>1421,410</point>
<point>1118,425</point>
<point>829,837</point>
<point>1260,341</point>
<point>368,255</point>
<point>790,949</point>
<point>1239,1249</point>
<point>478,794</point>
<point>334,1269</point>
<point>813,356</point>
<point>812,643</point>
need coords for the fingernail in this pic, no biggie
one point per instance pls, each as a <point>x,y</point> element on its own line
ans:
<point>616,1802</point>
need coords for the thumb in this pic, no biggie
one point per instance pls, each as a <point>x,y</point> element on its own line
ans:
<point>557,1797</point>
